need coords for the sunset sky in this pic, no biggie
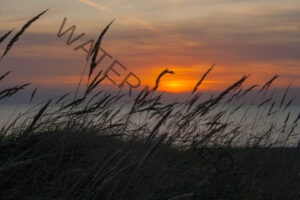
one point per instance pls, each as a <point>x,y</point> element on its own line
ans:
<point>256,37</point>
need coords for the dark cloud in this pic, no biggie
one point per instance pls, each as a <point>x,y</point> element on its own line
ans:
<point>266,37</point>
<point>228,38</point>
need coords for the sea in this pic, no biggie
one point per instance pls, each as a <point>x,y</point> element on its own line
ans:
<point>246,116</point>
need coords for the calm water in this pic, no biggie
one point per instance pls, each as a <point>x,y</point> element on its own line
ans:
<point>8,112</point>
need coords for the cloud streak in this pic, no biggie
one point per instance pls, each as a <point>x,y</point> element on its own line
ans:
<point>149,37</point>
<point>98,6</point>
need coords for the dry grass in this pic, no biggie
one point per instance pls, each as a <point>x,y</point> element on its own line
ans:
<point>93,148</point>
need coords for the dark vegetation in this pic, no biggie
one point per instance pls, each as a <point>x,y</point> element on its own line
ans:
<point>93,147</point>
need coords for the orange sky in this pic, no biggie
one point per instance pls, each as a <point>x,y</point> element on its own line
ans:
<point>260,38</point>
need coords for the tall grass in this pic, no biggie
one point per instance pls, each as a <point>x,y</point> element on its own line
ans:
<point>93,146</point>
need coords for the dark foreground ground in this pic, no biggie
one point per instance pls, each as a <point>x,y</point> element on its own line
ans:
<point>90,166</point>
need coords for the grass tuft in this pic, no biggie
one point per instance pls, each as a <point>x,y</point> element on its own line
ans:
<point>230,146</point>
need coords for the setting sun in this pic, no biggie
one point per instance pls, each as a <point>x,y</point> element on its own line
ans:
<point>163,99</point>
<point>177,85</point>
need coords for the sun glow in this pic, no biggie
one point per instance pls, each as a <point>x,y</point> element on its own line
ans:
<point>177,85</point>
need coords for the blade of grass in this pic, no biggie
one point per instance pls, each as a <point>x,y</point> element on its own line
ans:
<point>202,78</point>
<point>5,36</point>
<point>16,37</point>
<point>166,71</point>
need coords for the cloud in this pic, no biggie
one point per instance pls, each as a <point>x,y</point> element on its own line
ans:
<point>241,41</point>
<point>236,38</point>
<point>137,21</point>
<point>95,5</point>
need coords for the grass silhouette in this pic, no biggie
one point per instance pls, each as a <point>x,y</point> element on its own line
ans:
<point>92,147</point>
